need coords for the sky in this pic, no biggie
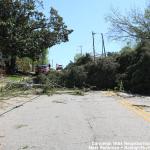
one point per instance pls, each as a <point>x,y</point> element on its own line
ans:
<point>85,16</point>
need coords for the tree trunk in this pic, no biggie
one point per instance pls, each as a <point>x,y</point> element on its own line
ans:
<point>33,69</point>
<point>12,67</point>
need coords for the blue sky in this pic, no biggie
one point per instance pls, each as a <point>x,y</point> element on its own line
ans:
<point>85,16</point>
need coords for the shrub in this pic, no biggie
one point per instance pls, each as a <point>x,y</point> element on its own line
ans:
<point>56,77</point>
<point>24,64</point>
<point>42,79</point>
<point>136,74</point>
<point>75,77</point>
<point>103,73</point>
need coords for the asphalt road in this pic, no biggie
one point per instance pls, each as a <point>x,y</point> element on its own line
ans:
<point>67,122</point>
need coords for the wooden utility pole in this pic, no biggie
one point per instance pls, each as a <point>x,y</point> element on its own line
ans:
<point>81,47</point>
<point>93,34</point>
<point>52,63</point>
<point>103,46</point>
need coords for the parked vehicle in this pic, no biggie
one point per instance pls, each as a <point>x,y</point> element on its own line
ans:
<point>59,67</point>
<point>42,69</point>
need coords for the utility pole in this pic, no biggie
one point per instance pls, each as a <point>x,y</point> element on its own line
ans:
<point>52,63</point>
<point>81,49</point>
<point>93,34</point>
<point>103,46</point>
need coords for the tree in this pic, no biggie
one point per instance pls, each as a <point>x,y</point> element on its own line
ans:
<point>26,32</point>
<point>24,64</point>
<point>77,56</point>
<point>44,57</point>
<point>135,25</point>
<point>75,77</point>
<point>134,69</point>
<point>102,74</point>
<point>84,59</point>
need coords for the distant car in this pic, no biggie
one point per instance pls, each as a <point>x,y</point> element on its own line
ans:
<point>59,67</point>
<point>42,69</point>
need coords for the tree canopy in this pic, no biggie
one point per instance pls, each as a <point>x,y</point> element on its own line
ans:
<point>134,25</point>
<point>26,32</point>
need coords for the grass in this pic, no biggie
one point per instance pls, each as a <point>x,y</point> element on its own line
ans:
<point>15,78</point>
<point>17,88</point>
<point>6,94</point>
<point>11,87</point>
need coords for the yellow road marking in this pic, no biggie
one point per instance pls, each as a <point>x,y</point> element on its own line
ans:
<point>139,111</point>
<point>130,106</point>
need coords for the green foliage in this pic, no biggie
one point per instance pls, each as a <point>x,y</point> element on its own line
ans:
<point>70,65</point>
<point>42,79</point>
<point>75,74</point>
<point>44,57</point>
<point>125,59</point>
<point>14,78</point>
<point>119,87</point>
<point>75,77</point>
<point>51,81</point>
<point>85,73</point>
<point>24,64</point>
<point>83,59</point>
<point>113,54</point>
<point>103,73</point>
<point>77,56</point>
<point>126,49</point>
<point>124,71</point>
<point>133,73</point>
<point>56,77</point>
<point>137,74</point>
<point>27,32</point>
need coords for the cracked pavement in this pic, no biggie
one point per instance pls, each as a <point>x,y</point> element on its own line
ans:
<point>69,122</point>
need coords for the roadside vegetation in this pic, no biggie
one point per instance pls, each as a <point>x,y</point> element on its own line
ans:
<point>126,71</point>
<point>32,34</point>
<point>123,71</point>
<point>11,90</point>
<point>26,32</point>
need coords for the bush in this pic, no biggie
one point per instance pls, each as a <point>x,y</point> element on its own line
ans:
<point>128,71</point>
<point>103,73</point>
<point>75,77</point>
<point>85,73</point>
<point>24,64</point>
<point>56,77</point>
<point>42,79</point>
<point>85,59</point>
<point>136,73</point>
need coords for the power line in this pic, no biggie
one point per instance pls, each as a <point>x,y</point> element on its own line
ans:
<point>81,49</point>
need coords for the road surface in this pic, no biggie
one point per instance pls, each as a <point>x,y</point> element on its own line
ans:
<point>69,122</point>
